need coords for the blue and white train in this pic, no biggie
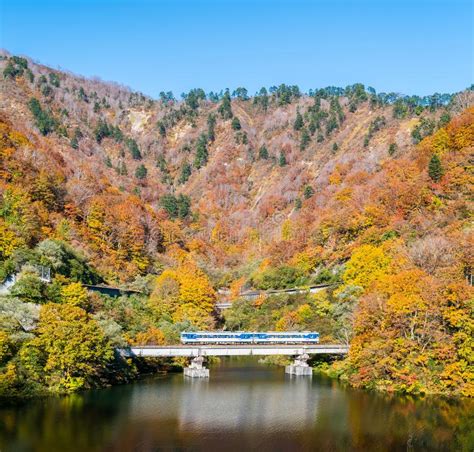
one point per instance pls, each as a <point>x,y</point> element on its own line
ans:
<point>248,337</point>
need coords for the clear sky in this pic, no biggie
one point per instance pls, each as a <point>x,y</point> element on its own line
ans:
<point>407,46</point>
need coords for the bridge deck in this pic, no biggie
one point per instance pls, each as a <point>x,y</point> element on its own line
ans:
<point>237,350</point>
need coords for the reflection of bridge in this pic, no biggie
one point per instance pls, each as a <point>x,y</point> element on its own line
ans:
<point>233,404</point>
<point>301,351</point>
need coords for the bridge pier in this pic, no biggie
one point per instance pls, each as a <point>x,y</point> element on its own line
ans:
<point>195,369</point>
<point>300,366</point>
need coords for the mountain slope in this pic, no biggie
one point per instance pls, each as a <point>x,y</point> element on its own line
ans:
<point>178,198</point>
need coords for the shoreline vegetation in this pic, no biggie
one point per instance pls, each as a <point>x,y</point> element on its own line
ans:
<point>187,202</point>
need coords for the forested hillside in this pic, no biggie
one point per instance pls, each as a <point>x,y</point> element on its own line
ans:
<point>178,198</point>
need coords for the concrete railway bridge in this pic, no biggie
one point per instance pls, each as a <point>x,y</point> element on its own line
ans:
<point>301,352</point>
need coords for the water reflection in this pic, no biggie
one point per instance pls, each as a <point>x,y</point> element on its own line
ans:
<point>242,406</point>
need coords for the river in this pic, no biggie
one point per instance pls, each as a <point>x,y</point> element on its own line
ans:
<point>244,406</point>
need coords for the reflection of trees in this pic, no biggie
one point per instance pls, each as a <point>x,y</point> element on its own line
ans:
<point>407,422</point>
<point>77,422</point>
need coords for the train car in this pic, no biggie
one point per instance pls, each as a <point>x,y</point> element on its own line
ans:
<point>247,337</point>
<point>216,337</point>
<point>287,337</point>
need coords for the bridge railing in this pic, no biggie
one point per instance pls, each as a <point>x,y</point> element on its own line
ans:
<point>235,350</point>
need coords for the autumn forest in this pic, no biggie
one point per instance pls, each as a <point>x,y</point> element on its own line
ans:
<point>182,201</point>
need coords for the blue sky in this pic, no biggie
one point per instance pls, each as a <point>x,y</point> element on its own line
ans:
<point>407,46</point>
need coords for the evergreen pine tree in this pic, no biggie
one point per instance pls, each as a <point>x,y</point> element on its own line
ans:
<point>305,139</point>
<point>225,108</point>
<point>236,123</point>
<point>308,191</point>
<point>141,172</point>
<point>298,124</point>
<point>435,169</point>
<point>185,173</point>
<point>282,159</point>
<point>211,125</point>
<point>263,153</point>
<point>201,152</point>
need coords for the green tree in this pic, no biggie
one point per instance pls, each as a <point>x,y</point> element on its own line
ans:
<point>262,99</point>
<point>82,95</point>
<point>392,148</point>
<point>201,152</point>
<point>435,168</point>
<point>423,129</point>
<point>332,124</point>
<point>400,109</point>
<point>186,171</point>
<point>176,207</point>
<point>308,191</point>
<point>335,147</point>
<point>29,288</point>
<point>225,108</point>
<point>134,149</point>
<point>236,123</point>
<point>193,97</point>
<point>43,119</point>
<point>299,123</point>
<point>241,93</point>
<point>54,79</point>
<point>11,71</point>
<point>184,206</point>
<point>281,277</point>
<point>101,131</point>
<point>444,119</point>
<point>211,127</point>
<point>263,153</point>
<point>305,140</point>
<point>282,159</point>
<point>161,128</point>
<point>141,172</point>
<point>161,163</point>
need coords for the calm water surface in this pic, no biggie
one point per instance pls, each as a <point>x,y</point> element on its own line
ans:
<point>245,407</point>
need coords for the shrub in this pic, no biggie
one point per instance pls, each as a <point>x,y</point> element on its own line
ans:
<point>282,277</point>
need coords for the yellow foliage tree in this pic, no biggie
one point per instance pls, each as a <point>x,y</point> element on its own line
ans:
<point>152,336</point>
<point>8,241</point>
<point>307,260</point>
<point>286,230</point>
<point>367,264</point>
<point>75,295</point>
<point>186,285</point>
<point>196,315</point>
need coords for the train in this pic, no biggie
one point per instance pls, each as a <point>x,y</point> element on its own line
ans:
<point>249,337</point>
